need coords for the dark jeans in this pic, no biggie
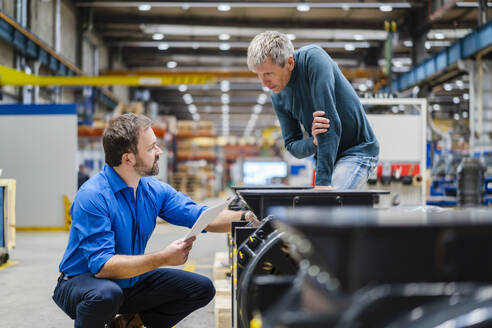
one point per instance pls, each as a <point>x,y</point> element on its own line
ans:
<point>162,297</point>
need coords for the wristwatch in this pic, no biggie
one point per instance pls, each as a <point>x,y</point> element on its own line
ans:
<point>243,215</point>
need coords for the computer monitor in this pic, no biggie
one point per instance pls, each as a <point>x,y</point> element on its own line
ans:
<point>264,171</point>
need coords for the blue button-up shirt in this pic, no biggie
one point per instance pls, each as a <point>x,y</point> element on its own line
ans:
<point>108,220</point>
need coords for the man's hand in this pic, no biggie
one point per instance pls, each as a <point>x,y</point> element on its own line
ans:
<point>320,125</point>
<point>323,188</point>
<point>251,217</point>
<point>177,252</point>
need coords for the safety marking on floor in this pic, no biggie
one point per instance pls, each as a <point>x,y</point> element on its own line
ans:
<point>8,264</point>
<point>190,266</point>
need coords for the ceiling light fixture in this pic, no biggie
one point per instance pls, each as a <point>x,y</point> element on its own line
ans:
<point>259,4</point>
<point>385,8</point>
<point>224,46</point>
<point>163,46</point>
<point>144,7</point>
<point>157,36</point>
<point>303,7</point>
<point>224,36</point>
<point>223,7</point>
<point>439,36</point>
<point>224,86</point>
<point>408,43</point>
<point>349,47</point>
<point>291,36</point>
<point>183,87</point>
<point>172,64</point>
<point>225,98</point>
<point>192,108</point>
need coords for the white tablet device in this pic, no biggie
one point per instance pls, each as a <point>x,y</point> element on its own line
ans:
<point>205,218</point>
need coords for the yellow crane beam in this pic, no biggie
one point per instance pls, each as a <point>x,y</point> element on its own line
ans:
<point>13,77</point>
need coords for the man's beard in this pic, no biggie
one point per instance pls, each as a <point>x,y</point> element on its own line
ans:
<point>145,172</point>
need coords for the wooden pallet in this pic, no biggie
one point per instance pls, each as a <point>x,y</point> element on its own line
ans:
<point>222,302</point>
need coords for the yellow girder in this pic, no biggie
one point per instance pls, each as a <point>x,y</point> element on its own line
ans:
<point>13,77</point>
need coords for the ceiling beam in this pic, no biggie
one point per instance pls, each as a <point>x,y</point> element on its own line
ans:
<point>107,18</point>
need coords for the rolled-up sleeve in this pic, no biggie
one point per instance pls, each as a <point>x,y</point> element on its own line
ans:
<point>91,220</point>
<point>176,207</point>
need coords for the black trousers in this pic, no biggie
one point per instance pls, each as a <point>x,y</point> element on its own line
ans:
<point>162,297</point>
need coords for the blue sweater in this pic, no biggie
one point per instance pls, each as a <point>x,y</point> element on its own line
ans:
<point>317,83</point>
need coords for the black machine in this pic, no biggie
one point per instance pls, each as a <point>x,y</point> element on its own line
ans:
<point>262,251</point>
<point>390,268</point>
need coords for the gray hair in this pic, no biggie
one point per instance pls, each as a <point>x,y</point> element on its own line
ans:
<point>269,44</point>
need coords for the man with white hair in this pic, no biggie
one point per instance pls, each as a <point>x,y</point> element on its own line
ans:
<point>307,84</point>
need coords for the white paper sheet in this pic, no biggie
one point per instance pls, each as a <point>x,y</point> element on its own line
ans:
<point>205,218</point>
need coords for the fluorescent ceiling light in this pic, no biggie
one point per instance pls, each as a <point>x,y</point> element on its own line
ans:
<point>224,86</point>
<point>225,98</point>
<point>436,107</point>
<point>244,4</point>
<point>262,99</point>
<point>183,87</point>
<point>171,64</point>
<point>196,117</point>
<point>163,46</point>
<point>456,100</point>
<point>192,108</point>
<point>466,96</point>
<point>299,33</point>
<point>144,7</point>
<point>225,109</point>
<point>291,36</point>
<point>303,8</point>
<point>408,43</point>
<point>349,47</point>
<point>223,7</point>
<point>224,46</point>
<point>471,4</point>
<point>188,99</point>
<point>386,8</point>
<point>224,36</point>
<point>358,37</point>
<point>439,36</point>
<point>195,45</point>
<point>157,36</point>
<point>227,46</point>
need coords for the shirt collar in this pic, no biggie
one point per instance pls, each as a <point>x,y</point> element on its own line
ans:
<point>115,181</point>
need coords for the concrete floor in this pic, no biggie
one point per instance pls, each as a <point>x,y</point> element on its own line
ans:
<point>26,287</point>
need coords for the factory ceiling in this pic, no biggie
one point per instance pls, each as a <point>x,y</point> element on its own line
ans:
<point>213,36</point>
